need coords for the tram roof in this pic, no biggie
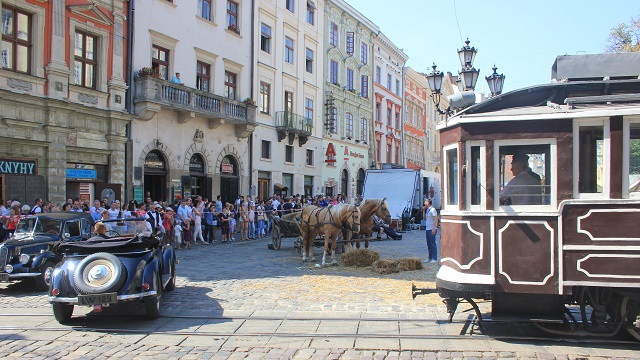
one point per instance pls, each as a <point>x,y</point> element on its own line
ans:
<point>556,100</point>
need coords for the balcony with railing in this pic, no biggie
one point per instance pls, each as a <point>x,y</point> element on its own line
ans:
<point>290,125</point>
<point>153,94</point>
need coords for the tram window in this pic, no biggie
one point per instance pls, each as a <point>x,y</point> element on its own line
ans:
<point>634,160</point>
<point>476,176</point>
<point>591,159</point>
<point>525,177</point>
<point>452,176</point>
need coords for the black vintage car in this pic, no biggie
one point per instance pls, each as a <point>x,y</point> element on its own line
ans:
<point>131,265</point>
<point>29,254</point>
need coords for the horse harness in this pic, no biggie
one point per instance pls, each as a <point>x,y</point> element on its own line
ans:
<point>318,224</point>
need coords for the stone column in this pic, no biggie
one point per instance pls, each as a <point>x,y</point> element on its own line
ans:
<point>57,163</point>
<point>57,69</point>
<point>117,84</point>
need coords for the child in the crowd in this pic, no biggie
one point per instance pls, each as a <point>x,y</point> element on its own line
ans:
<point>177,237</point>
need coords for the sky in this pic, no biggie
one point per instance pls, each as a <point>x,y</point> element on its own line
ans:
<point>522,38</point>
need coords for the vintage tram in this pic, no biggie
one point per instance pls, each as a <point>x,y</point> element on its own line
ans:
<point>541,202</point>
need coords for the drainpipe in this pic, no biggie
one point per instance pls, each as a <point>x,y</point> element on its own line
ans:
<point>129,96</point>
<point>250,140</point>
<point>402,112</point>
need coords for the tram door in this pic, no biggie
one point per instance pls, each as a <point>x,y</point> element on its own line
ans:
<point>229,180</point>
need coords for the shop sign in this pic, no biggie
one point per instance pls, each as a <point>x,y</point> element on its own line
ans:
<point>352,154</point>
<point>330,154</point>
<point>227,168</point>
<point>81,173</point>
<point>21,167</point>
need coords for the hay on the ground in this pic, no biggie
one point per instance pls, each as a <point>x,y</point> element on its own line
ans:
<point>390,266</point>
<point>359,257</point>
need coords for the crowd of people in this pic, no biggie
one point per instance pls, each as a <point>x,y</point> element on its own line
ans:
<point>184,222</point>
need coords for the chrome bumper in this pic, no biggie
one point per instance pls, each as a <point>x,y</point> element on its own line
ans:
<point>74,300</point>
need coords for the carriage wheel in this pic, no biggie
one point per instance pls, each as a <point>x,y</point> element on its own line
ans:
<point>276,238</point>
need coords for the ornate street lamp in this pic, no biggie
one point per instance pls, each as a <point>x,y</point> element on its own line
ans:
<point>468,74</point>
<point>435,84</point>
<point>495,81</point>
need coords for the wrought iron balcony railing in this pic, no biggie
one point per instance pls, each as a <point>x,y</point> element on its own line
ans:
<point>292,125</point>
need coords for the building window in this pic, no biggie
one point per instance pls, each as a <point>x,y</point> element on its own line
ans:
<point>333,72</point>
<point>288,101</point>
<point>203,75</point>
<point>204,9</point>
<point>311,11</point>
<point>378,111</point>
<point>265,95</point>
<point>348,119</point>
<point>364,130</point>
<point>349,79</point>
<point>308,185</point>
<point>397,154</point>
<point>363,53</point>
<point>16,40</point>
<point>232,16</point>
<point>350,43</point>
<point>378,74</point>
<point>398,120</point>
<point>378,151</point>
<point>265,39</point>
<point>289,4</point>
<point>230,85</point>
<point>389,78</point>
<point>288,153</point>
<point>309,160</point>
<point>398,87</point>
<point>334,122</point>
<point>333,34</point>
<point>160,61</point>
<point>266,149</point>
<point>84,66</point>
<point>365,86</point>
<point>288,50</point>
<point>308,108</point>
<point>389,115</point>
<point>388,153</point>
<point>309,61</point>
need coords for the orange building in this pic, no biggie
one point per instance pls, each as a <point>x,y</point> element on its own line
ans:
<point>415,119</point>
<point>62,99</point>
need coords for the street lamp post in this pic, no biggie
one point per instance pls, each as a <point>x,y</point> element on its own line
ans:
<point>468,76</point>
<point>495,82</point>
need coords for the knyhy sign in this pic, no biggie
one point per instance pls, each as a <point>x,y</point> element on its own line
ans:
<point>21,167</point>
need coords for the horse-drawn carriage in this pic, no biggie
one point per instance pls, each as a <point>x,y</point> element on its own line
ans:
<point>336,224</point>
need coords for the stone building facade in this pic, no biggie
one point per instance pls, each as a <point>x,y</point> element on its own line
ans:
<point>348,104</point>
<point>289,94</point>
<point>62,90</point>
<point>191,135</point>
<point>415,118</point>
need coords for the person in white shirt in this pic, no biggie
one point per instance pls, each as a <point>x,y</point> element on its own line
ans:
<point>525,187</point>
<point>114,212</point>
<point>37,208</point>
<point>430,215</point>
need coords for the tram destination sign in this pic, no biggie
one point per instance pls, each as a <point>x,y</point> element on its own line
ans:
<point>18,167</point>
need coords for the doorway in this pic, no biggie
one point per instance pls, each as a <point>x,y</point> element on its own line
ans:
<point>155,175</point>
<point>229,179</point>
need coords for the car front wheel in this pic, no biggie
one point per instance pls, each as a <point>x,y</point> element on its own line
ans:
<point>62,312</point>
<point>43,281</point>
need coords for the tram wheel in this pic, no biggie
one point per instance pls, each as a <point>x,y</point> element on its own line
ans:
<point>631,310</point>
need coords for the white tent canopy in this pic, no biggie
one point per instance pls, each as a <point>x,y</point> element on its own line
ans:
<point>397,185</point>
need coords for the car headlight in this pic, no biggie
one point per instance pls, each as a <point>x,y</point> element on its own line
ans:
<point>8,269</point>
<point>24,259</point>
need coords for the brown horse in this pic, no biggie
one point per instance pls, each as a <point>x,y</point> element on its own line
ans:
<point>329,221</point>
<point>379,207</point>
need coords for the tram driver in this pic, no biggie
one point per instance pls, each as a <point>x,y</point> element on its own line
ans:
<point>525,188</point>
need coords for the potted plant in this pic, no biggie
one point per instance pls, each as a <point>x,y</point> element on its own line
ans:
<point>148,71</point>
<point>234,28</point>
<point>249,101</point>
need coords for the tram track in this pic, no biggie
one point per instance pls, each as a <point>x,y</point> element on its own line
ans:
<point>471,331</point>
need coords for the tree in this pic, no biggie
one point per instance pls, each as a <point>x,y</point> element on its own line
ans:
<point>625,37</point>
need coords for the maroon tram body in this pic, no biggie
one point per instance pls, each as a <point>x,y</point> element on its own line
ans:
<point>576,242</point>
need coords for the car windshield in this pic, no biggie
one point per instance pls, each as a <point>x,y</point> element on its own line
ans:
<point>35,226</point>
<point>127,227</point>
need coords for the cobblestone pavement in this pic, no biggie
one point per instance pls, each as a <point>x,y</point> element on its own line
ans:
<point>239,300</point>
